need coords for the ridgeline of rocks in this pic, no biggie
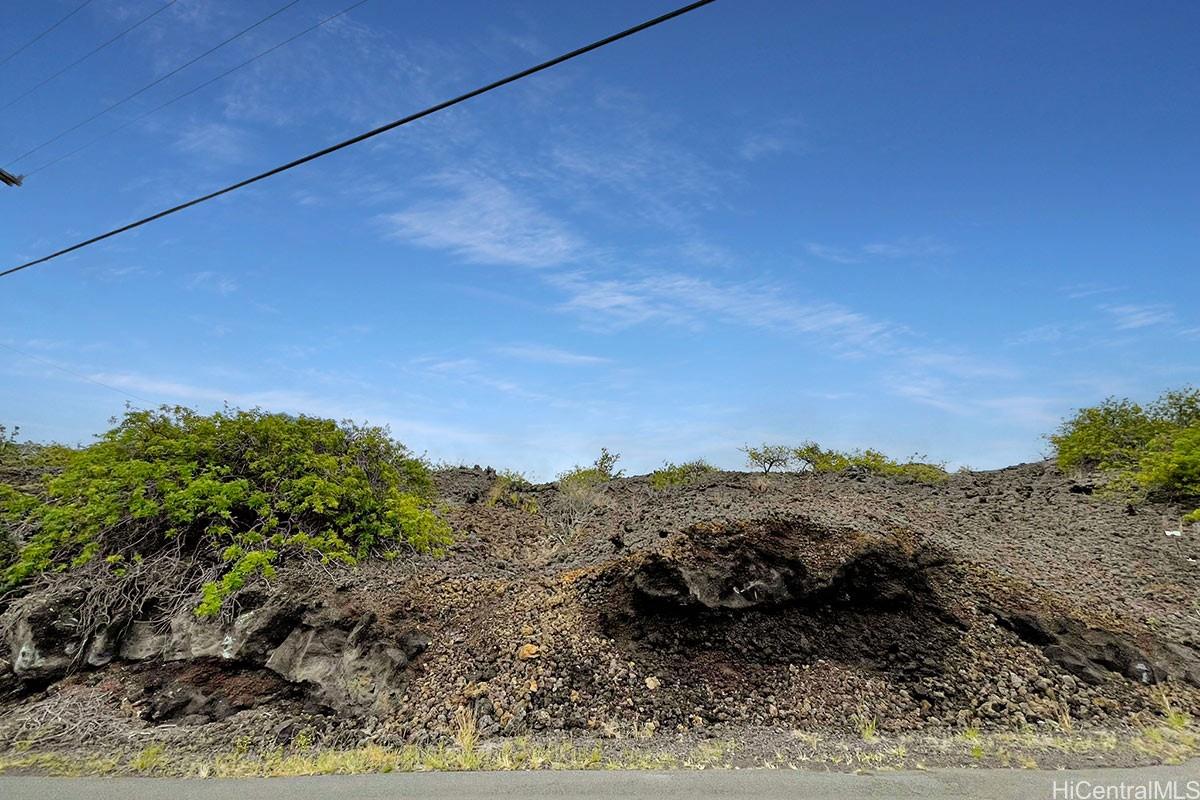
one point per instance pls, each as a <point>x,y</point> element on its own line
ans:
<point>1003,600</point>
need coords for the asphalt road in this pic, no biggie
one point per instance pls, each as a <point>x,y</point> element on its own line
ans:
<point>1183,781</point>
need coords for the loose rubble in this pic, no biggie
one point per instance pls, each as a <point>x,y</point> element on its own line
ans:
<point>734,606</point>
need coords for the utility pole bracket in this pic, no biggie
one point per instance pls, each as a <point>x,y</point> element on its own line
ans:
<point>10,179</point>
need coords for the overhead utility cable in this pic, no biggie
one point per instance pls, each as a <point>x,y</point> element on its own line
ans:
<point>152,84</point>
<point>193,90</point>
<point>44,33</point>
<point>88,54</point>
<point>362,137</point>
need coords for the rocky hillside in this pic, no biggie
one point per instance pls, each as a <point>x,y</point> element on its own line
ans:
<point>735,605</point>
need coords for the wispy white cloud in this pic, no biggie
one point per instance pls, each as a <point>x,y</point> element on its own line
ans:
<point>214,142</point>
<point>686,300</point>
<point>957,365</point>
<point>1030,411</point>
<point>545,354</point>
<point>453,366</point>
<point>159,389</point>
<point>1039,334</point>
<point>636,168</point>
<point>905,248</point>
<point>166,389</point>
<point>838,255</point>
<point>1133,316</point>
<point>705,253</point>
<point>767,139</point>
<point>472,371</point>
<point>483,221</point>
<point>757,146</point>
<point>211,281</point>
<point>928,390</point>
<point>1079,291</point>
<point>915,247</point>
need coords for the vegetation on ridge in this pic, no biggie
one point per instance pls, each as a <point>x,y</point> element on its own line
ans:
<point>811,457</point>
<point>1150,451</point>
<point>236,492</point>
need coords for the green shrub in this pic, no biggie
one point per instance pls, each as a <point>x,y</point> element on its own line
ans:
<point>1171,466</point>
<point>811,456</point>
<point>677,474</point>
<point>602,470</point>
<point>1111,435</point>
<point>508,489</point>
<point>1154,450</point>
<point>1178,408</point>
<point>915,468</point>
<point>241,490</point>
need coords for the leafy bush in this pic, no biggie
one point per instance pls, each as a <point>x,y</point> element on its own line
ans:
<point>921,471</point>
<point>811,456</point>
<point>676,474</point>
<point>508,489</point>
<point>1155,449</point>
<point>601,471</point>
<point>1178,408</point>
<point>1111,435</point>
<point>916,468</point>
<point>1171,465</point>
<point>768,457</point>
<point>241,491</point>
<point>23,469</point>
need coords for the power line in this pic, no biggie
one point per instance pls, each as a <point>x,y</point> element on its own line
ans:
<point>194,89</point>
<point>38,38</point>
<point>516,76</point>
<point>72,372</point>
<point>153,83</point>
<point>89,54</point>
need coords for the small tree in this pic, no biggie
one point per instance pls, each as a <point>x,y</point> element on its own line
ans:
<point>769,456</point>
<point>606,462</point>
<point>7,439</point>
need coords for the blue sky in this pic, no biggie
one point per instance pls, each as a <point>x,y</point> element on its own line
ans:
<point>931,227</point>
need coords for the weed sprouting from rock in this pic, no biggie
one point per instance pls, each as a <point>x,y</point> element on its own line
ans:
<point>580,492</point>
